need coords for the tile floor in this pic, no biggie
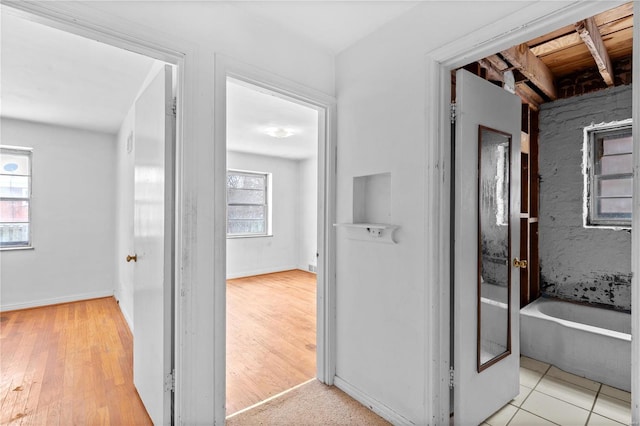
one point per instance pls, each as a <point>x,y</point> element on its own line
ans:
<point>550,396</point>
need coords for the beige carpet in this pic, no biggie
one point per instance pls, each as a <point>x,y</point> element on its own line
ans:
<point>310,404</point>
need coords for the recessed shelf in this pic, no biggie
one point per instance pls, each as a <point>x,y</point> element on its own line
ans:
<point>378,232</point>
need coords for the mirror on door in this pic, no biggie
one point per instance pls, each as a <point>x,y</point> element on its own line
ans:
<point>494,252</point>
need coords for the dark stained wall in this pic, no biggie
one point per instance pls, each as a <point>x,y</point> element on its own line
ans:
<point>578,263</point>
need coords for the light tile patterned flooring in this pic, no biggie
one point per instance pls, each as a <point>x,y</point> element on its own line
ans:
<point>550,396</point>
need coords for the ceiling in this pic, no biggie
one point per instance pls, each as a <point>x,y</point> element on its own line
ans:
<point>43,81</point>
<point>253,112</point>
<point>333,25</point>
<point>586,56</point>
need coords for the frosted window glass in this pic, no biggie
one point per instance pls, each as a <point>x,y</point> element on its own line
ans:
<point>15,197</point>
<point>610,176</point>
<point>247,203</point>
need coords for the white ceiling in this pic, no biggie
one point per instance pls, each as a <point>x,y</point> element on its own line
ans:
<point>54,77</point>
<point>332,24</point>
<point>252,111</point>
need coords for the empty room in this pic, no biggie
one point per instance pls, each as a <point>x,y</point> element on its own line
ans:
<point>272,226</point>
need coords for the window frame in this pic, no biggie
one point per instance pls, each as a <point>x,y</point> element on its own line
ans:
<point>591,218</point>
<point>267,204</point>
<point>28,152</point>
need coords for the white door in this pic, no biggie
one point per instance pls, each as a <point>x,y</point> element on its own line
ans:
<point>487,240</point>
<point>153,242</point>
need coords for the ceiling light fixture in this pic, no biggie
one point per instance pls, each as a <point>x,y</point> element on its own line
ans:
<point>279,132</point>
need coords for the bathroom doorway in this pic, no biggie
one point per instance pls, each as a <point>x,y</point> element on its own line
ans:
<point>440,73</point>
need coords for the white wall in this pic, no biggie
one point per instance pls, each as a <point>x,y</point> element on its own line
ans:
<point>72,217</point>
<point>382,294</point>
<point>308,213</point>
<point>290,214</point>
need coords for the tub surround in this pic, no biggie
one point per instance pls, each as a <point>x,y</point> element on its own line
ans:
<point>577,263</point>
<point>587,341</point>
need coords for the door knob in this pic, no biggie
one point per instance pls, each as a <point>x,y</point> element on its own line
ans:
<point>517,263</point>
<point>130,258</point>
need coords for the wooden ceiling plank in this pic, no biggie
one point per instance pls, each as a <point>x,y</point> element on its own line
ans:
<point>615,13</point>
<point>615,26</point>
<point>532,67</point>
<point>557,44</point>
<point>591,36</point>
<point>552,35</point>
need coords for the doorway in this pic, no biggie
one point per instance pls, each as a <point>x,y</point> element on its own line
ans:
<point>272,231</point>
<point>439,81</point>
<point>117,155</point>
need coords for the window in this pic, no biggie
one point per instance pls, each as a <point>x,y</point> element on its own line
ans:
<point>15,197</point>
<point>248,203</point>
<point>609,175</point>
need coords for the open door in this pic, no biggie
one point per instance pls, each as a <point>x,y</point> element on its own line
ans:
<point>486,240</point>
<point>153,242</point>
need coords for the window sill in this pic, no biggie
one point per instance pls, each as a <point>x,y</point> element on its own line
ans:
<point>609,227</point>
<point>239,237</point>
<point>16,248</point>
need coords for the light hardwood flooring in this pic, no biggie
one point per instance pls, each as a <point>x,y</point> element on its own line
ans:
<point>271,335</point>
<point>68,364</point>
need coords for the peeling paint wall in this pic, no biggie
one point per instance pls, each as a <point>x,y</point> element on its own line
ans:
<point>576,263</point>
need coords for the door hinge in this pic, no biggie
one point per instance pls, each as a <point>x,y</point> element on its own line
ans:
<point>452,113</point>
<point>170,381</point>
<point>174,107</point>
<point>451,377</point>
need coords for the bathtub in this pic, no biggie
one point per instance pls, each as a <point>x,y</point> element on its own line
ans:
<point>587,341</point>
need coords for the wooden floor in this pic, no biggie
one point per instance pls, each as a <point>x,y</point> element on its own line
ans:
<point>68,364</point>
<point>271,335</point>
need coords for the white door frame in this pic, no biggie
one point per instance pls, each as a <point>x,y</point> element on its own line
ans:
<point>326,107</point>
<point>86,22</point>
<point>525,24</point>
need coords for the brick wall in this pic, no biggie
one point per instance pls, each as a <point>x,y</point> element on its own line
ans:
<point>577,263</point>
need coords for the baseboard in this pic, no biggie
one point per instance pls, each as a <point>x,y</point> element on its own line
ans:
<point>127,318</point>
<point>253,272</point>
<point>376,406</point>
<point>306,269</point>
<point>55,300</point>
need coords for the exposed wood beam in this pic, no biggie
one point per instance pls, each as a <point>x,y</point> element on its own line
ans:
<point>495,71</point>
<point>528,96</point>
<point>532,67</point>
<point>590,35</point>
<point>492,73</point>
<point>497,63</point>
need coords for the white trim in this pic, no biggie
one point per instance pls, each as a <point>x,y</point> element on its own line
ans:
<point>588,169</point>
<point>373,404</point>
<point>531,21</point>
<point>225,68</point>
<point>55,300</point>
<point>125,314</point>
<point>263,271</point>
